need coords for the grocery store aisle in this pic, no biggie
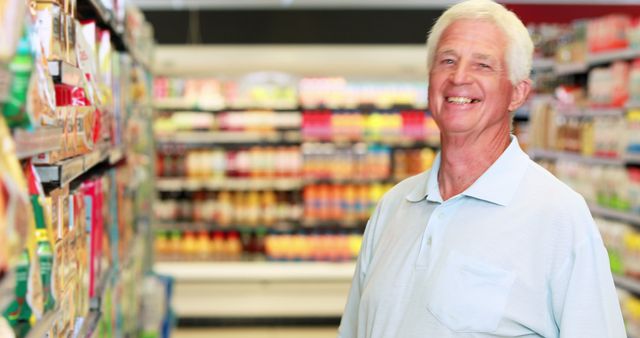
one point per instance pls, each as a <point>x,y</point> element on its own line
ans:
<point>259,332</point>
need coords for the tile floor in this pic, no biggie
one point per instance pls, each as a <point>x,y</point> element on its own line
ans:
<point>259,332</point>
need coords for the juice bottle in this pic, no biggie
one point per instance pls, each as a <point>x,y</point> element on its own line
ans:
<point>234,246</point>
<point>189,246</point>
<point>216,248</point>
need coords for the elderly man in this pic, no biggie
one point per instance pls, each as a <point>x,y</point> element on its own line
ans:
<point>487,243</point>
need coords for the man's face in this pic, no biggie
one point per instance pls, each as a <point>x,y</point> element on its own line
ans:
<point>469,87</point>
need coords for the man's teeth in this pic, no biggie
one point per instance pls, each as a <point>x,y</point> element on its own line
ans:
<point>460,100</point>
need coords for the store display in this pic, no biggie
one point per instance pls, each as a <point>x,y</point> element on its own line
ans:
<point>339,93</point>
<point>587,133</point>
<point>347,204</point>
<point>393,127</point>
<point>67,239</point>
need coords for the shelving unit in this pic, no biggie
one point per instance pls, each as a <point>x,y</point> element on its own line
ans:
<point>68,170</point>
<point>42,140</point>
<point>294,289</point>
<point>232,184</point>
<point>63,72</point>
<point>628,283</point>
<point>595,59</point>
<point>568,156</point>
<point>197,138</point>
<point>629,217</point>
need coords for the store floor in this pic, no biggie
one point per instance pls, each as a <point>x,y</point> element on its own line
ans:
<point>259,332</point>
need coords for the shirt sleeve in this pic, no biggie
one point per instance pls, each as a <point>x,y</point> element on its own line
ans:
<point>350,318</point>
<point>585,301</point>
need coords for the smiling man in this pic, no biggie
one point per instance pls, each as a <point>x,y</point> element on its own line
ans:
<point>486,243</point>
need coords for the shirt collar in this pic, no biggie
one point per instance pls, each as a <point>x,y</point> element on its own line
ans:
<point>498,184</point>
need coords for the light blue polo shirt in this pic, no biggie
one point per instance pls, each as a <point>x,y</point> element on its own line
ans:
<point>517,254</point>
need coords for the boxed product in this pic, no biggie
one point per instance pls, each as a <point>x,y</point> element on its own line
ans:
<point>50,22</point>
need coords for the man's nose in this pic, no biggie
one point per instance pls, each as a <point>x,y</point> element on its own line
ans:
<point>460,74</point>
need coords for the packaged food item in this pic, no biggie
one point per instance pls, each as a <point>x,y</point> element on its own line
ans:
<point>49,26</point>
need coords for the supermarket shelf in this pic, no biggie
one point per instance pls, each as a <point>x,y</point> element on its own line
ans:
<point>70,169</point>
<point>116,155</point>
<point>632,218</point>
<point>543,64</point>
<point>7,291</point>
<point>591,112</point>
<point>63,72</point>
<point>235,184</point>
<point>632,158</point>
<point>399,143</point>
<point>256,271</point>
<point>42,140</point>
<point>607,57</point>
<point>166,225</point>
<point>350,180</point>
<point>43,326</point>
<point>632,105</point>
<point>229,137</point>
<point>343,224</point>
<point>94,10</point>
<point>562,155</point>
<point>570,68</point>
<point>628,283</point>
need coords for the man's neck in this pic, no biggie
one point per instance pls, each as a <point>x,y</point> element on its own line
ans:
<point>463,160</point>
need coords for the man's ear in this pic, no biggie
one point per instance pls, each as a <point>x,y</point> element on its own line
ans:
<point>520,94</point>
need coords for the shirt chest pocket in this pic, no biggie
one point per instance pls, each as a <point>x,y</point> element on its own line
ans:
<point>470,295</point>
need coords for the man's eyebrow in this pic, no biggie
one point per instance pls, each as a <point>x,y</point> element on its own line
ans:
<point>445,52</point>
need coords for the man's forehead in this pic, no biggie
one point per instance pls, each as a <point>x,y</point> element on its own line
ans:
<point>475,55</point>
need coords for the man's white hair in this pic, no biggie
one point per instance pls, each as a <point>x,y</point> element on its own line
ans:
<point>519,51</point>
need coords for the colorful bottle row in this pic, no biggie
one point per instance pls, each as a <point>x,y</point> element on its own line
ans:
<point>409,162</point>
<point>314,247</point>
<point>362,161</point>
<point>254,208</point>
<point>393,126</point>
<point>236,246</point>
<point>200,245</point>
<point>341,202</point>
<point>258,162</point>
<point>249,120</point>
<point>338,92</point>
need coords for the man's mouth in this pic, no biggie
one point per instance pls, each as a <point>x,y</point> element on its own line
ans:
<point>461,100</point>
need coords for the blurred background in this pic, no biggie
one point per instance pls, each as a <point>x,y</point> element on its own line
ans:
<point>203,168</point>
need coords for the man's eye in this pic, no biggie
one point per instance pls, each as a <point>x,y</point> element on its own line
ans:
<point>447,61</point>
<point>484,65</point>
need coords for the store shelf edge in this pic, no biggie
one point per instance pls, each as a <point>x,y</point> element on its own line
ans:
<point>629,217</point>
<point>185,184</point>
<point>43,140</point>
<point>562,155</point>
<point>627,283</point>
<point>610,56</point>
<point>257,271</point>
